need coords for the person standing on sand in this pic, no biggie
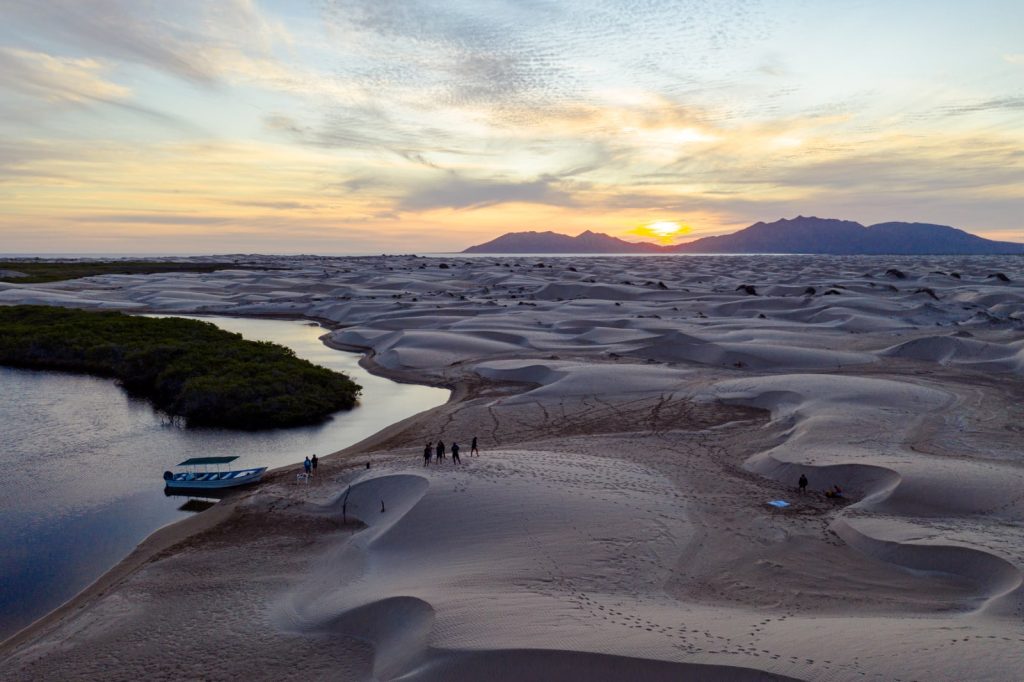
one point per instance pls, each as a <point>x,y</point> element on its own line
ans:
<point>455,454</point>
<point>307,465</point>
<point>314,462</point>
<point>473,449</point>
<point>802,483</point>
<point>440,451</point>
<point>427,452</point>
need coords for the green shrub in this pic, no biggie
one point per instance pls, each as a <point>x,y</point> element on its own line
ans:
<point>186,368</point>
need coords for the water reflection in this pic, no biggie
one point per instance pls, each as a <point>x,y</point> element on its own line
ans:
<point>196,505</point>
<point>211,494</point>
<point>81,465</point>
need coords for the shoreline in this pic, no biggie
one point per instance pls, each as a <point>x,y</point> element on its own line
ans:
<point>165,537</point>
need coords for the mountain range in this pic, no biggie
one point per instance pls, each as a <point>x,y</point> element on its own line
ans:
<point>804,235</point>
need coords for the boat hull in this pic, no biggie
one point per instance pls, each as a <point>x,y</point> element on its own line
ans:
<point>214,481</point>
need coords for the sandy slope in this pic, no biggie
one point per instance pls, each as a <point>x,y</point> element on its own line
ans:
<point>636,416</point>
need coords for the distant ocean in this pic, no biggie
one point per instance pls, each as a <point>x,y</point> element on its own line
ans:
<point>424,254</point>
<point>454,255</point>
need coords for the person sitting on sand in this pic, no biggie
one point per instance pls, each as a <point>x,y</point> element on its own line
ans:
<point>427,453</point>
<point>835,492</point>
<point>440,451</point>
<point>802,483</point>
<point>455,454</point>
<point>473,449</point>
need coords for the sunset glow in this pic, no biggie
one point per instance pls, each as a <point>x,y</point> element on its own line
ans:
<point>664,228</point>
<point>344,127</point>
<point>663,231</point>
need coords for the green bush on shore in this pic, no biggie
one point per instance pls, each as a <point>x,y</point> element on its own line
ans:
<point>186,368</point>
<point>35,270</point>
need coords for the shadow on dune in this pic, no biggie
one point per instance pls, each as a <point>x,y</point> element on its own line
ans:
<point>398,627</point>
<point>991,576</point>
<point>526,665</point>
<point>867,483</point>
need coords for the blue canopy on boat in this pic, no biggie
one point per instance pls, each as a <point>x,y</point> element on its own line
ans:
<point>207,460</point>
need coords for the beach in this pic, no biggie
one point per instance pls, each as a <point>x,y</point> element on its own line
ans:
<point>635,415</point>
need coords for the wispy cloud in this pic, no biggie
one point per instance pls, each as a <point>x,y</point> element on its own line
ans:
<point>1014,103</point>
<point>150,219</point>
<point>57,79</point>
<point>180,40</point>
<point>277,205</point>
<point>457,192</point>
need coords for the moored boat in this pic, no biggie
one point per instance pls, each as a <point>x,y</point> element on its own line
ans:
<point>208,473</point>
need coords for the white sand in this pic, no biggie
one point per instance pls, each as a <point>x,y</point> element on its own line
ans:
<point>636,415</point>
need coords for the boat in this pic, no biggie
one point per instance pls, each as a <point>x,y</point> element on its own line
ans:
<point>205,473</point>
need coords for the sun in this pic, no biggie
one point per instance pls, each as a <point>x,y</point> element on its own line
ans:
<point>664,231</point>
<point>664,228</point>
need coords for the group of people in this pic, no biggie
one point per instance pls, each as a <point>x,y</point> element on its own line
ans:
<point>429,450</point>
<point>438,451</point>
<point>834,492</point>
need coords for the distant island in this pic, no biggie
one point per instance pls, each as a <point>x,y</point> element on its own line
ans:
<point>800,235</point>
<point>552,242</point>
<point>187,368</point>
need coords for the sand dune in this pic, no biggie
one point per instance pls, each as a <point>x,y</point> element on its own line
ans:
<point>981,355</point>
<point>526,664</point>
<point>679,347</point>
<point>990,575</point>
<point>637,415</point>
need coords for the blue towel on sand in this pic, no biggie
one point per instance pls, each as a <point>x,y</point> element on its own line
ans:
<point>779,503</point>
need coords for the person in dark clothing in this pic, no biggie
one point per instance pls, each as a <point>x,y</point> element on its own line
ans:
<point>439,451</point>
<point>802,483</point>
<point>427,453</point>
<point>314,462</point>
<point>455,454</point>
<point>473,449</point>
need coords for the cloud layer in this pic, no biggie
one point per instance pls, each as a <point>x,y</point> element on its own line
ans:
<point>359,125</point>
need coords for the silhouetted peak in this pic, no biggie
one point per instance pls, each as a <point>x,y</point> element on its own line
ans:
<point>552,242</point>
<point>811,234</point>
<point>802,234</point>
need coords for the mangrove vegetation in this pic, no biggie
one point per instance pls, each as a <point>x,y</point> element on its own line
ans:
<point>188,369</point>
<point>34,271</point>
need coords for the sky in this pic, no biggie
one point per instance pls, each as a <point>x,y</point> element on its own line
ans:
<point>372,126</point>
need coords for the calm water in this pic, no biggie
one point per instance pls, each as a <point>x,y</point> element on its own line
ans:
<point>81,465</point>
